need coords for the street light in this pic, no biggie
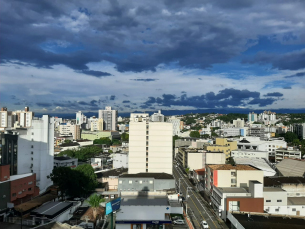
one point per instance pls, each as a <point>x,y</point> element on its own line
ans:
<point>187,196</point>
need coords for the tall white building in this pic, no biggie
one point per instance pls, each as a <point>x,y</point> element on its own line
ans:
<point>110,118</point>
<point>68,128</point>
<point>157,117</point>
<point>239,123</point>
<point>150,146</point>
<point>252,117</point>
<point>80,118</point>
<point>31,150</point>
<point>9,118</point>
<point>176,125</point>
<point>267,117</point>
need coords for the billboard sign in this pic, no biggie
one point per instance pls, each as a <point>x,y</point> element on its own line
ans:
<point>113,205</point>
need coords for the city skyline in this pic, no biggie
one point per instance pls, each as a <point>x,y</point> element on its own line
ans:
<point>62,57</point>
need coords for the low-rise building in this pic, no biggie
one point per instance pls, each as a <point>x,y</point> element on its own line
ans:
<point>92,135</point>
<point>146,182</point>
<point>111,177</point>
<point>146,210</point>
<point>285,153</point>
<point>260,163</point>
<point>226,199</point>
<point>226,175</point>
<point>250,153</point>
<point>65,162</point>
<point>294,186</point>
<point>120,160</point>
<point>222,145</point>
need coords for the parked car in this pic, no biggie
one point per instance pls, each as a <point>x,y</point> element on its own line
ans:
<point>204,224</point>
<point>179,221</point>
<point>176,217</point>
<point>112,196</point>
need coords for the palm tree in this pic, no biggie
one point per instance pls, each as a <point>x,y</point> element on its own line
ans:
<point>94,201</point>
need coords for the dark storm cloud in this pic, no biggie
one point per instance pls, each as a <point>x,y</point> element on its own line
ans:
<point>144,80</point>
<point>274,94</point>
<point>287,87</point>
<point>94,73</point>
<point>288,61</point>
<point>42,104</point>
<point>126,101</point>
<point>225,98</point>
<point>112,97</point>
<point>300,74</point>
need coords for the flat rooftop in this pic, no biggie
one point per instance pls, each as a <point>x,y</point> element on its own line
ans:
<point>278,181</point>
<point>231,167</point>
<point>231,190</point>
<point>266,221</point>
<point>296,201</point>
<point>273,189</point>
<point>145,201</point>
<point>51,209</point>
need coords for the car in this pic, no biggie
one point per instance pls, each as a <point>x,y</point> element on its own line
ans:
<point>112,196</point>
<point>204,224</point>
<point>176,217</point>
<point>179,221</point>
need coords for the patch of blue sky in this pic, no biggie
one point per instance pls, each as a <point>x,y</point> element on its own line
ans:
<point>147,42</point>
<point>279,84</point>
<point>271,45</point>
<point>60,47</point>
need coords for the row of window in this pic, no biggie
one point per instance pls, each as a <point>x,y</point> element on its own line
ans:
<point>140,181</point>
<point>14,194</point>
<point>268,201</point>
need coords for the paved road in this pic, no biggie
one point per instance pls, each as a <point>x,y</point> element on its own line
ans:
<point>197,210</point>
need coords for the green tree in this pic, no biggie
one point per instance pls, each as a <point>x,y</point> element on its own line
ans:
<point>90,177</point>
<point>116,142</point>
<point>94,202</point>
<point>125,137</point>
<point>290,136</point>
<point>195,134</point>
<point>206,136</point>
<point>230,161</point>
<point>101,141</point>
<point>187,170</point>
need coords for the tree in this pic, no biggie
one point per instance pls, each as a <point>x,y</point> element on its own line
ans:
<point>94,202</point>
<point>230,161</point>
<point>206,136</point>
<point>101,141</point>
<point>195,134</point>
<point>125,137</point>
<point>116,142</point>
<point>90,177</point>
<point>290,136</point>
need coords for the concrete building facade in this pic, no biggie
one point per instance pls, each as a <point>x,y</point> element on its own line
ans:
<point>109,117</point>
<point>150,147</point>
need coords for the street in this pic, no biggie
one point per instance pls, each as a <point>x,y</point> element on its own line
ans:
<point>197,211</point>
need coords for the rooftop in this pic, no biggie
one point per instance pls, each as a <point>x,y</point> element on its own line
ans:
<point>200,171</point>
<point>16,177</point>
<point>267,221</point>
<point>231,167</point>
<point>51,209</point>
<point>112,172</point>
<point>290,167</point>
<point>145,200</point>
<point>149,175</point>
<point>296,201</point>
<point>273,189</point>
<point>278,181</point>
<point>231,190</point>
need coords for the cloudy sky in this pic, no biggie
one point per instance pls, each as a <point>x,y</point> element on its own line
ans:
<point>65,56</point>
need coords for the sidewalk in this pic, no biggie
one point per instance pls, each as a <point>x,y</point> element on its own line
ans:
<point>189,223</point>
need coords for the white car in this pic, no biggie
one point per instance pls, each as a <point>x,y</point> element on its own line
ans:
<point>204,224</point>
<point>179,221</point>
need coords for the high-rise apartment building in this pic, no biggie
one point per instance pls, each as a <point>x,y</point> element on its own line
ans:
<point>21,118</point>
<point>110,118</point>
<point>80,118</point>
<point>157,117</point>
<point>252,117</point>
<point>30,150</point>
<point>150,146</point>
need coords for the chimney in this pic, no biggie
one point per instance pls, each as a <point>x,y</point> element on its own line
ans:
<point>26,109</point>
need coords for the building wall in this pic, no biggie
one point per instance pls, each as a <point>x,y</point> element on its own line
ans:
<point>5,194</point>
<point>164,184</point>
<point>142,212</point>
<point>244,176</point>
<point>274,197</point>
<point>150,147</point>
<point>120,160</point>
<point>145,184</point>
<point>215,158</point>
<point>36,151</point>
<point>92,135</point>
<point>109,117</point>
<point>195,160</point>
<point>4,172</point>
<point>248,204</point>
<point>250,154</point>
<point>113,182</point>
<point>23,187</point>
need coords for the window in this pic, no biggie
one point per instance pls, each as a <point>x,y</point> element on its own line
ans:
<point>277,209</point>
<point>130,182</point>
<point>233,173</point>
<point>29,189</point>
<point>279,201</point>
<point>268,201</point>
<point>151,182</point>
<point>233,181</point>
<point>234,205</point>
<point>120,182</point>
<point>14,194</point>
<point>140,181</point>
<point>32,152</point>
<point>294,209</point>
<point>31,182</point>
<point>32,146</point>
